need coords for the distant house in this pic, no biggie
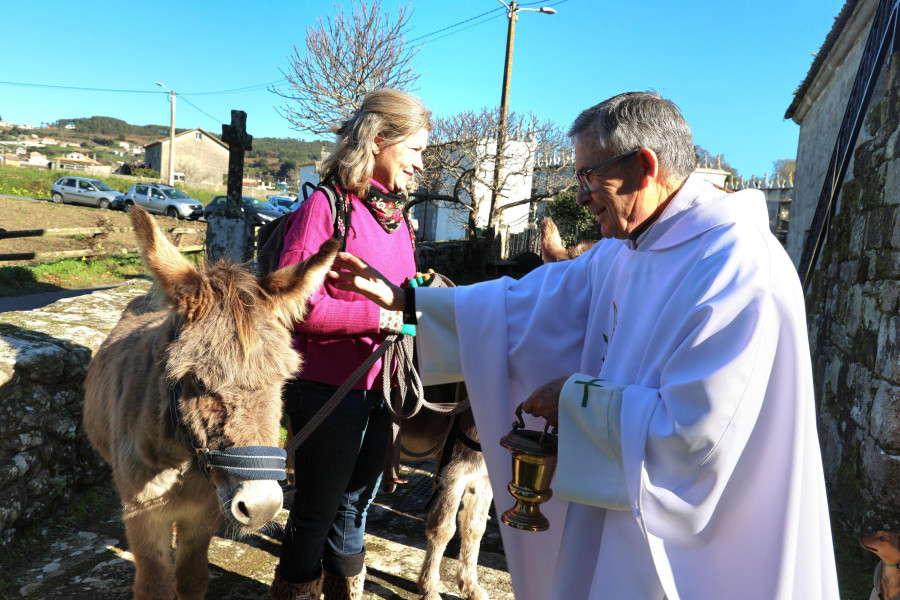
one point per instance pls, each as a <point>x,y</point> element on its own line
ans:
<point>9,160</point>
<point>200,157</point>
<point>444,221</point>
<point>26,126</point>
<point>70,126</point>
<point>124,145</point>
<point>309,172</point>
<point>36,159</point>
<point>76,161</point>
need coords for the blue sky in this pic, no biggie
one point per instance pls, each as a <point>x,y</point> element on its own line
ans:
<point>732,67</point>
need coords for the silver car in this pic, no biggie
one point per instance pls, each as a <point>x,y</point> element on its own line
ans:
<point>163,200</point>
<point>83,190</point>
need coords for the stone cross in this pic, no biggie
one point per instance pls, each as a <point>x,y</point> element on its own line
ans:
<point>229,232</point>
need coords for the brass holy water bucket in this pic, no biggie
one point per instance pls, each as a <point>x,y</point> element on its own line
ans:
<point>533,465</point>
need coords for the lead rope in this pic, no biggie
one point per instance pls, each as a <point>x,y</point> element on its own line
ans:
<point>408,383</point>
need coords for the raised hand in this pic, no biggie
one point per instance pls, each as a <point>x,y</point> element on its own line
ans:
<point>354,274</point>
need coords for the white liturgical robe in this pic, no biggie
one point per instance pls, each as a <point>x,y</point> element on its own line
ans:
<point>689,465</point>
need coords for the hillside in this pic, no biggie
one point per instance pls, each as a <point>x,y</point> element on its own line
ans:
<point>271,159</point>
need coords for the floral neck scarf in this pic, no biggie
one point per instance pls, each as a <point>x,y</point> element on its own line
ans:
<point>387,208</point>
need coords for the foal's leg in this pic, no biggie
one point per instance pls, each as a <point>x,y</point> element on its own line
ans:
<point>150,542</point>
<point>193,534</point>
<point>472,522</point>
<point>439,528</point>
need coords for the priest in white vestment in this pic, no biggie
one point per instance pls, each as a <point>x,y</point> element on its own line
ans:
<point>674,358</point>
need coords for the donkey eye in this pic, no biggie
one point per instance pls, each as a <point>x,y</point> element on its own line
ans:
<point>201,387</point>
<point>882,538</point>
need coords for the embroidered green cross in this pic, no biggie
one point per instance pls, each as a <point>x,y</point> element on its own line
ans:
<point>587,384</point>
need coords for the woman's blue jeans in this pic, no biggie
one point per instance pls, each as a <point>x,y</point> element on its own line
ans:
<point>338,470</point>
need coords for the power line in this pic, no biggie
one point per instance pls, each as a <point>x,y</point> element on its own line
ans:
<point>84,89</point>
<point>456,24</point>
<point>464,28</point>
<point>499,8</point>
<point>87,89</point>
<point>236,90</point>
<point>218,122</point>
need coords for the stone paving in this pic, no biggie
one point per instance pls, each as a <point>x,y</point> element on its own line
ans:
<point>89,560</point>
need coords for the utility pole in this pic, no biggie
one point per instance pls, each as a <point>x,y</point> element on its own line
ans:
<point>512,12</point>
<point>171,136</point>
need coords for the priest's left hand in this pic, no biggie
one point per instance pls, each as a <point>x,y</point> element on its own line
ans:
<point>350,272</point>
<point>544,401</point>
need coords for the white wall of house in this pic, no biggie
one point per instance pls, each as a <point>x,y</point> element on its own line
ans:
<point>309,173</point>
<point>444,221</point>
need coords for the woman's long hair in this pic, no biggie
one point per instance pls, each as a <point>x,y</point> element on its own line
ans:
<point>388,114</point>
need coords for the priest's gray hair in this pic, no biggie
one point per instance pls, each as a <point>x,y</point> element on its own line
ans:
<point>388,114</point>
<point>636,120</point>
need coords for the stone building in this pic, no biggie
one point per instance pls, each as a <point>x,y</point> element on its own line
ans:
<point>854,292</point>
<point>200,157</point>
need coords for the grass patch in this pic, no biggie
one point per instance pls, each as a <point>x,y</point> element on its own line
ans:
<point>855,566</point>
<point>35,183</point>
<point>73,273</point>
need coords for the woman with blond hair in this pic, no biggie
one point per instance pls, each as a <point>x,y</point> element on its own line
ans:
<point>338,468</point>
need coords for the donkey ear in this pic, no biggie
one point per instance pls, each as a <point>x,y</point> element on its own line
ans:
<point>552,248</point>
<point>290,287</point>
<point>181,283</point>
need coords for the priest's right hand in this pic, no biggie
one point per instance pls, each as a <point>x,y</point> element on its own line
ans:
<point>352,273</point>
<point>544,401</point>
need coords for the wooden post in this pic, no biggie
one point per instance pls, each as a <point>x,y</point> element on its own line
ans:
<point>229,233</point>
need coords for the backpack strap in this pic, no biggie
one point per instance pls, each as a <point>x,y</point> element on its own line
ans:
<point>340,209</point>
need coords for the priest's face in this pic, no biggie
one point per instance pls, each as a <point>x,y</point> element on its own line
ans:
<point>609,187</point>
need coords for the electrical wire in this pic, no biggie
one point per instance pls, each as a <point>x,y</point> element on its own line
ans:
<point>84,89</point>
<point>499,8</point>
<point>218,122</point>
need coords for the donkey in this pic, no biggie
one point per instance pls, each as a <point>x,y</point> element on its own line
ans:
<point>461,477</point>
<point>173,390</point>
<point>552,247</point>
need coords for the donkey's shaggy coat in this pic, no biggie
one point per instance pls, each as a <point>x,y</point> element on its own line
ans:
<point>225,336</point>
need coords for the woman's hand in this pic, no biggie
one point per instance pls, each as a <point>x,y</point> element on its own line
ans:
<point>357,276</point>
<point>544,401</point>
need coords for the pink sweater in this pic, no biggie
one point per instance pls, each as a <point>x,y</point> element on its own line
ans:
<point>341,329</point>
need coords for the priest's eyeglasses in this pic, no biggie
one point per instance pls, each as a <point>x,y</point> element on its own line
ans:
<point>584,175</point>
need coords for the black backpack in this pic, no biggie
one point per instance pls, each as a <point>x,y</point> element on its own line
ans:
<point>270,237</point>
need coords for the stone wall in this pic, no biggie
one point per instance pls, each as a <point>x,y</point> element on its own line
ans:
<point>820,115</point>
<point>45,458</point>
<point>853,306</point>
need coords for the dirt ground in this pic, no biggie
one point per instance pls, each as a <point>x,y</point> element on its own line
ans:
<point>87,558</point>
<point>20,214</point>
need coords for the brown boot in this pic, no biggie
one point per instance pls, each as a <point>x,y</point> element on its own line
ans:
<point>343,588</point>
<point>282,589</point>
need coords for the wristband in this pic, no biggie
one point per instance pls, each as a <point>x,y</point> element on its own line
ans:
<point>409,309</point>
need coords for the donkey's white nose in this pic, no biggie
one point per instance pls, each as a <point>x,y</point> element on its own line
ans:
<point>255,503</point>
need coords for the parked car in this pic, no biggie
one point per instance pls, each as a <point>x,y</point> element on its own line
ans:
<point>280,203</point>
<point>259,211</point>
<point>84,190</point>
<point>163,200</point>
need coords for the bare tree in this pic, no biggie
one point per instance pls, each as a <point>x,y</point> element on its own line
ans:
<point>459,166</point>
<point>345,57</point>
<point>785,168</point>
